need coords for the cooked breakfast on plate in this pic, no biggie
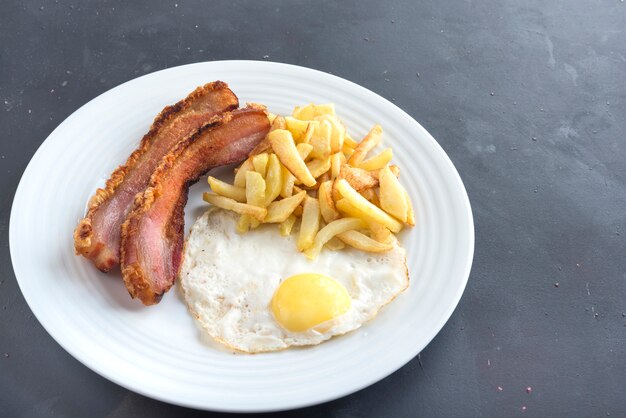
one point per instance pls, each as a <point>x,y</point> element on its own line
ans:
<point>300,247</point>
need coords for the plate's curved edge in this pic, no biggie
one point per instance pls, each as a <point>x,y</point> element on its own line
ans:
<point>313,401</point>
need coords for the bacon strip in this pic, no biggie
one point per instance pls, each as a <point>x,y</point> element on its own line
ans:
<point>153,233</point>
<point>97,236</point>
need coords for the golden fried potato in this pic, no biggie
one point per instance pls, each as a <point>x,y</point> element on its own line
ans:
<point>243,224</point>
<point>278,123</point>
<point>347,151</point>
<point>371,195</point>
<point>318,167</point>
<point>327,205</point>
<point>259,162</point>
<point>309,112</point>
<point>309,224</point>
<point>225,189</point>
<point>286,226</point>
<point>285,149</point>
<point>364,243</point>
<point>308,134</point>
<point>394,169</point>
<point>273,179</point>
<point>280,210</point>
<point>335,164</point>
<point>358,178</point>
<point>304,150</point>
<point>240,173</point>
<point>366,208</point>
<point>321,140</point>
<point>410,215</point>
<point>335,244</point>
<point>349,142</point>
<point>297,127</point>
<point>288,182</point>
<point>264,146</point>
<point>377,162</point>
<point>379,232</point>
<point>371,140</point>
<point>392,195</point>
<point>329,231</point>
<point>231,204</point>
<point>337,132</point>
<point>255,189</point>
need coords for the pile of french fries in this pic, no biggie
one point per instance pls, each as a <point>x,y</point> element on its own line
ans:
<point>308,169</point>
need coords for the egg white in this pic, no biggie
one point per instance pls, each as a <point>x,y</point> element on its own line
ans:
<point>228,281</point>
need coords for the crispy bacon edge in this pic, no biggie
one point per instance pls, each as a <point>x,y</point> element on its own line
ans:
<point>83,233</point>
<point>137,284</point>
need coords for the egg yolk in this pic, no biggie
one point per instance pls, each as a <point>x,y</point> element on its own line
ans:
<point>306,300</point>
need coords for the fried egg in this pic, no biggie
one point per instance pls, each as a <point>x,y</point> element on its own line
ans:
<point>257,293</point>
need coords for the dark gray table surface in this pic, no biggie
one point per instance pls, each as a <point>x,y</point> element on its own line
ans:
<point>528,98</point>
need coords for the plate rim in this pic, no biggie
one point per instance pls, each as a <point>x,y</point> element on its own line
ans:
<point>102,371</point>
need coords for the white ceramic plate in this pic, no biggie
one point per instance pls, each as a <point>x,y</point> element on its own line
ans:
<point>158,351</point>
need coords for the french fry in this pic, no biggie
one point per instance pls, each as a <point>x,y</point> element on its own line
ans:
<point>280,210</point>
<point>264,146</point>
<point>335,244</point>
<point>231,204</point>
<point>304,112</point>
<point>347,151</point>
<point>335,165</point>
<point>286,226</point>
<point>324,177</point>
<point>285,149</point>
<point>321,140</point>
<point>379,232</point>
<point>364,243</point>
<point>260,163</point>
<point>273,179</point>
<point>255,189</point>
<point>349,142</point>
<point>329,231</point>
<point>377,162</point>
<point>278,123</point>
<point>297,127</point>
<point>222,188</point>
<point>358,178</point>
<point>318,167</point>
<point>288,182</point>
<point>309,224</point>
<point>410,215</point>
<point>327,205</point>
<point>392,195</point>
<point>370,194</point>
<point>337,135</point>
<point>243,224</point>
<point>309,112</point>
<point>240,174</point>
<point>366,145</point>
<point>337,132</point>
<point>394,169</point>
<point>304,150</point>
<point>308,134</point>
<point>362,205</point>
